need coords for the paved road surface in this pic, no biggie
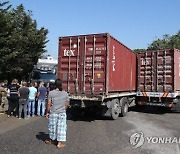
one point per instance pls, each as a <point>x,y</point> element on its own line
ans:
<point>93,135</point>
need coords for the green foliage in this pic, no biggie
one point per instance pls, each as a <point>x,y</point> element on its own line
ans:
<point>167,42</point>
<point>21,43</point>
<point>139,50</point>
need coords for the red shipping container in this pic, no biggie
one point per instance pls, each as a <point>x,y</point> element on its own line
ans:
<point>159,71</point>
<point>158,78</point>
<point>96,64</point>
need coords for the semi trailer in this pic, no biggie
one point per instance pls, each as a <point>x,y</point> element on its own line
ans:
<point>98,72</point>
<point>158,78</point>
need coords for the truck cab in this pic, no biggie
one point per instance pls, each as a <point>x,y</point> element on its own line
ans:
<point>45,70</point>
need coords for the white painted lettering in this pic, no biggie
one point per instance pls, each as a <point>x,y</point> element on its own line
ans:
<point>69,52</point>
<point>114,52</point>
<point>113,64</point>
<point>114,58</point>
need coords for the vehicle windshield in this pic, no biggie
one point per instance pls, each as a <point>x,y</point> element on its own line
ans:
<point>43,76</point>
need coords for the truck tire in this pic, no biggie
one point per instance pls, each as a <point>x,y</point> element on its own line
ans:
<point>115,109</point>
<point>124,106</point>
<point>176,107</point>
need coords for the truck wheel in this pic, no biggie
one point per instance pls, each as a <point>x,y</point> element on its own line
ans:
<point>124,107</point>
<point>176,107</point>
<point>115,109</point>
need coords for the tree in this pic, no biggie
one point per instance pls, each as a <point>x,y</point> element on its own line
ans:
<point>139,50</point>
<point>21,43</point>
<point>167,42</point>
<point>175,41</point>
<point>4,32</point>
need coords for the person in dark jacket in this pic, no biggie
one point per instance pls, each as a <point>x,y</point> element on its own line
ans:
<point>13,98</point>
<point>23,99</point>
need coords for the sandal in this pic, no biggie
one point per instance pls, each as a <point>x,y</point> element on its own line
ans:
<point>48,141</point>
<point>61,146</point>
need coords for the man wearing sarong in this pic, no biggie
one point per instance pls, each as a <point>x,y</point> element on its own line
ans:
<point>58,101</point>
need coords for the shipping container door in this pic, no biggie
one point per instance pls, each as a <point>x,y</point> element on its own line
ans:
<point>147,71</point>
<point>93,64</point>
<point>155,71</point>
<point>165,71</point>
<point>68,63</point>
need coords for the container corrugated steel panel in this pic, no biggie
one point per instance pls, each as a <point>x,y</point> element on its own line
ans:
<point>95,64</point>
<point>159,71</point>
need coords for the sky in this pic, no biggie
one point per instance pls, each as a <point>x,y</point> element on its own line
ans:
<point>135,23</point>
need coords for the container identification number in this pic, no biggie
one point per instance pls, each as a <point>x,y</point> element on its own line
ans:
<point>114,58</point>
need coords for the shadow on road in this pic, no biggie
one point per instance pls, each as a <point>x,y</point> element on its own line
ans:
<point>150,109</point>
<point>42,136</point>
<point>87,117</point>
<point>80,115</point>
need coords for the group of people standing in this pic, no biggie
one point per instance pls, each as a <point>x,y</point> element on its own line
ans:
<point>24,98</point>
